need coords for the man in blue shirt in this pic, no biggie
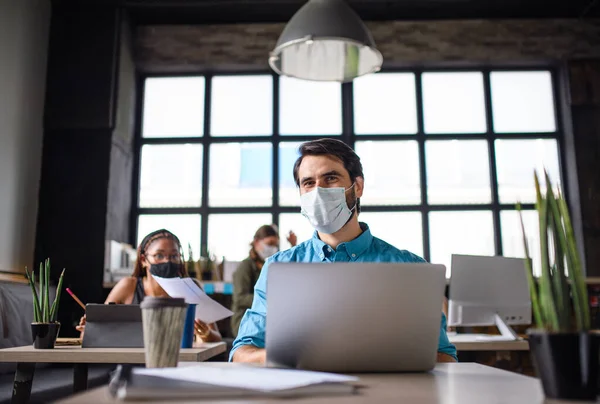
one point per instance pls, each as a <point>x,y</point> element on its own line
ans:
<point>331,181</point>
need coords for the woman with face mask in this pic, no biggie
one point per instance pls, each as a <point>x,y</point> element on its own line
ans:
<point>158,254</point>
<point>264,244</point>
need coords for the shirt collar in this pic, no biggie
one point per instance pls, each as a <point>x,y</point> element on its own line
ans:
<point>354,248</point>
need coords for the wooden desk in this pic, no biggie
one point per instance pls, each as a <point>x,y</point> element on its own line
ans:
<point>452,383</point>
<point>74,354</point>
<point>26,358</point>
<point>508,355</point>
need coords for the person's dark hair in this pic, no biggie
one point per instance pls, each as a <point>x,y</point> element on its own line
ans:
<point>337,149</point>
<point>265,231</point>
<point>139,270</point>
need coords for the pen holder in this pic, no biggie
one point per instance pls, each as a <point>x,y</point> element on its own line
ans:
<point>188,328</point>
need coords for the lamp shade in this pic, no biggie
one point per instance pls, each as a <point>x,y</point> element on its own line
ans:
<point>325,41</point>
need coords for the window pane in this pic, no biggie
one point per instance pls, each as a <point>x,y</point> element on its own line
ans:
<point>298,224</point>
<point>522,102</point>
<point>185,227</point>
<point>309,108</point>
<point>171,176</point>
<point>453,103</point>
<point>173,107</point>
<point>458,171</point>
<point>466,232</point>
<point>403,230</point>
<point>385,185</point>
<point>241,174</point>
<point>517,159</point>
<point>288,191</point>
<point>230,235</point>
<point>241,106</point>
<point>512,237</point>
<point>385,103</point>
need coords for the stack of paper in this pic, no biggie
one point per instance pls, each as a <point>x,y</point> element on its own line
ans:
<point>231,381</point>
<point>207,309</point>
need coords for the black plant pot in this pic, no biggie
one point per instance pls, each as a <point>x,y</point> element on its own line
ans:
<point>44,335</point>
<point>567,363</point>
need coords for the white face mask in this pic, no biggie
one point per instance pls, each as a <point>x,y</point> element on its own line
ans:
<point>326,208</point>
<point>266,250</point>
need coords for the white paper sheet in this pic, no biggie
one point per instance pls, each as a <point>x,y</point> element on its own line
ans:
<point>207,309</point>
<point>248,377</point>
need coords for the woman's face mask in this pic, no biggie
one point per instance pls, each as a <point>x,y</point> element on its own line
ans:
<point>326,208</point>
<point>166,269</point>
<point>266,250</point>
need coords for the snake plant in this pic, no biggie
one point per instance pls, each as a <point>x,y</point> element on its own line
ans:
<point>43,311</point>
<point>560,290</point>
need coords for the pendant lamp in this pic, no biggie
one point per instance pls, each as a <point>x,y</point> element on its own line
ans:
<point>325,41</point>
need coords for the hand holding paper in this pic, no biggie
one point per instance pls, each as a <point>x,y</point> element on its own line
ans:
<point>207,309</point>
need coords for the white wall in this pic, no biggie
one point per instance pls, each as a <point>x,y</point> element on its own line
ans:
<point>24,27</point>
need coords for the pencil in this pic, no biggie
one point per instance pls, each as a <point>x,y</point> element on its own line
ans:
<point>76,298</point>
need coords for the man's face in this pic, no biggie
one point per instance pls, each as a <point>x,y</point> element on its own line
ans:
<point>328,172</point>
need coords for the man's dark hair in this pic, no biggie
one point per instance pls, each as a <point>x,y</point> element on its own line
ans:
<point>335,148</point>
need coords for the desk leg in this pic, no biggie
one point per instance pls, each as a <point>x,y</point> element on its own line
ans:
<point>23,381</point>
<point>80,377</point>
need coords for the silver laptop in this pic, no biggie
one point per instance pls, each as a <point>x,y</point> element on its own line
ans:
<point>354,317</point>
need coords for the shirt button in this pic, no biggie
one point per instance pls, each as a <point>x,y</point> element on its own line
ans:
<point>353,255</point>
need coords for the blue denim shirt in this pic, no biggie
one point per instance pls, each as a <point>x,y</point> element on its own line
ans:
<point>364,248</point>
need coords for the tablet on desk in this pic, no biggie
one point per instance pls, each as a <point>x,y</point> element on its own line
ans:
<point>113,326</point>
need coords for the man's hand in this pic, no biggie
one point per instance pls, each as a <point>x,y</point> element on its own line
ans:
<point>250,354</point>
<point>444,358</point>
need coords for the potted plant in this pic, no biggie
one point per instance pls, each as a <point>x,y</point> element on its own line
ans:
<point>563,349</point>
<point>44,328</point>
<point>191,264</point>
<point>208,264</point>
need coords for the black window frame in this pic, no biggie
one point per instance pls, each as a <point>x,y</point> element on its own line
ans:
<point>350,137</point>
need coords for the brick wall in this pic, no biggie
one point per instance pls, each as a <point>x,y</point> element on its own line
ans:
<point>187,47</point>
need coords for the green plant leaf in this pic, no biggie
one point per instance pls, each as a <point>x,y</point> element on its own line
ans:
<point>42,293</point>
<point>546,294</point>
<point>559,283</point>
<point>47,294</point>
<point>54,311</point>
<point>578,287</point>
<point>533,289</point>
<point>35,300</point>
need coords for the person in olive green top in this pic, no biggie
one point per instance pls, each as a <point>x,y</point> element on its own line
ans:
<point>264,244</point>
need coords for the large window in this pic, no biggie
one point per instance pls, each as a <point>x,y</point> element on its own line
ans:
<point>446,156</point>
